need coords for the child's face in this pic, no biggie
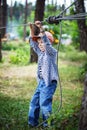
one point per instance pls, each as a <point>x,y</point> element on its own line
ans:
<point>41,44</point>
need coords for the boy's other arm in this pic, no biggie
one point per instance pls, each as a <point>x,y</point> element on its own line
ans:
<point>50,50</point>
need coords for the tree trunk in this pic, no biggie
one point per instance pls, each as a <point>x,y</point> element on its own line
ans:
<point>4,9</point>
<point>0,15</point>
<point>3,20</point>
<point>11,11</point>
<point>0,31</point>
<point>25,19</point>
<point>83,113</point>
<point>3,16</point>
<point>39,12</point>
<point>39,15</point>
<point>0,48</point>
<point>82,25</point>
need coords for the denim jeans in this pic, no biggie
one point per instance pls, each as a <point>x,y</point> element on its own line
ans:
<point>41,101</point>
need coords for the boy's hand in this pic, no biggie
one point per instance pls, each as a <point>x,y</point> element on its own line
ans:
<point>39,24</point>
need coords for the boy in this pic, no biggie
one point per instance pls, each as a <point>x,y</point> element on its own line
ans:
<point>47,77</point>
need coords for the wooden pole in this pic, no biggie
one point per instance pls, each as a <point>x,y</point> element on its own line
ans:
<point>0,48</point>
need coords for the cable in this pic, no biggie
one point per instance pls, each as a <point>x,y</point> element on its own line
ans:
<point>58,19</point>
<point>54,19</point>
<point>15,26</point>
<point>58,68</point>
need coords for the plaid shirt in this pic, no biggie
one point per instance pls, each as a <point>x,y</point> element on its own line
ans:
<point>47,67</point>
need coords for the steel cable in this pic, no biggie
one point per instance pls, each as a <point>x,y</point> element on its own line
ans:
<point>71,17</point>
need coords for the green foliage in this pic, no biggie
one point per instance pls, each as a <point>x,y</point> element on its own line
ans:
<point>19,52</point>
<point>21,28</point>
<point>72,54</point>
<point>71,28</point>
<point>72,10</point>
<point>9,46</point>
<point>21,32</point>
<point>20,57</point>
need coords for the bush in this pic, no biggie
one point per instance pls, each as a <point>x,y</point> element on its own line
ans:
<point>20,57</point>
<point>9,46</point>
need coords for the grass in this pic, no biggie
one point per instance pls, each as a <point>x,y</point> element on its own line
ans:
<point>16,93</point>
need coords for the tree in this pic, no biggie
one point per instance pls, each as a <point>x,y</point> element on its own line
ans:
<point>80,8</point>
<point>3,16</point>
<point>16,11</point>
<point>3,20</point>
<point>83,113</point>
<point>0,48</point>
<point>25,19</point>
<point>39,15</point>
<point>39,11</point>
<point>83,47</point>
<point>0,33</point>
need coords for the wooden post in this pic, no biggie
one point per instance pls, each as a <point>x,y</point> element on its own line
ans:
<point>0,48</point>
<point>83,112</point>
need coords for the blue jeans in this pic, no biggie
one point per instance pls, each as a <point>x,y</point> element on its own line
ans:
<point>41,101</point>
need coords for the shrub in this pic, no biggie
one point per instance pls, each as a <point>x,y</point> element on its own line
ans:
<point>20,57</point>
<point>9,46</point>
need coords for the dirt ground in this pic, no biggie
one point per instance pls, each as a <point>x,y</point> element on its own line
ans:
<point>20,72</point>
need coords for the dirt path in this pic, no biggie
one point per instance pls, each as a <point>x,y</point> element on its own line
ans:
<point>20,72</point>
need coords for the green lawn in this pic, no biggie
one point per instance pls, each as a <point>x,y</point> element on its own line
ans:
<point>16,92</point>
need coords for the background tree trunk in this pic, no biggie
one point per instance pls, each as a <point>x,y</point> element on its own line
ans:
<point>4,16</point>
<point>83,113</point>
<point>25,19</point>
<point>80,8</point>
<point>3,20</point>
<point>0,48</point>
<point>39,15</point>
<point>0,32</point>
<point>39,11</point>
